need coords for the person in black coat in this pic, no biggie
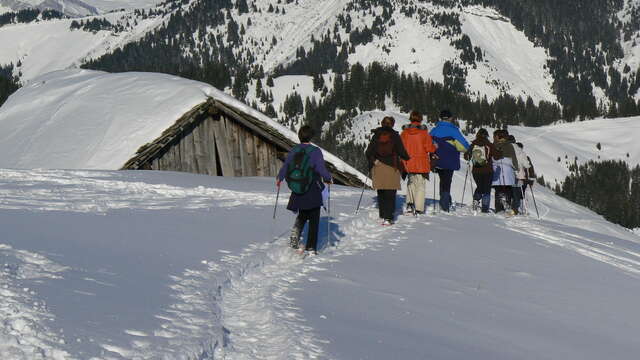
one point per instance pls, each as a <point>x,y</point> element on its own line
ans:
<point>384,153</point>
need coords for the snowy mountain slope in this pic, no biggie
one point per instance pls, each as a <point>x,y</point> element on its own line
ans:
<point>512,60</point>
<point>512,63</point>
<point>617,138</point>
<point>47,46</point>
<point>151,265</point>
<point>415,45</point>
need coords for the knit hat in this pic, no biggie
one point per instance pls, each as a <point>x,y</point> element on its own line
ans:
<point>445,114</point>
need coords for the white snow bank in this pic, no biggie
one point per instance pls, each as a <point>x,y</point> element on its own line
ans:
<point>82,119</point>
<point>161,265</point>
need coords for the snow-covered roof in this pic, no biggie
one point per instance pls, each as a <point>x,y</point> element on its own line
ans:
<point>83,119</point>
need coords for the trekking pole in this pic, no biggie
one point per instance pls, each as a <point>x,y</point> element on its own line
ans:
<point>364,185</point>
<point>471,189</point>
<point>464,188</point>
<point>435,209</point>
<point>276,206</point>
<point>329,214</point>
<point>534,202</point>
<point>360,200</point>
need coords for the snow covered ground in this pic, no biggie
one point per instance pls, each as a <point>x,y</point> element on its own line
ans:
<point>150,265</point>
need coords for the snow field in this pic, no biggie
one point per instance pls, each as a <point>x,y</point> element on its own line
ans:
<point>24,329</point>
<point>177,266</point>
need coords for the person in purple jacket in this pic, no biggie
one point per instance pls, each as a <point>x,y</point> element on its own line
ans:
<point>307,205</point>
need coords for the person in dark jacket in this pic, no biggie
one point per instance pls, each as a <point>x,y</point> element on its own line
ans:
<point>306,205</point>
<point>482,168</point>
<point>451,143</point>
<point>384,153</point>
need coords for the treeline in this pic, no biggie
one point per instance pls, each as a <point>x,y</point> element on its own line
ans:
<point>94,25</point>
<point>8,83</point>
<point>610,188</point>
<point>368,88</point>
<point>28,15</point>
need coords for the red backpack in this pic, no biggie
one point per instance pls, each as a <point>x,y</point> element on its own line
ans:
<point>385,145</point>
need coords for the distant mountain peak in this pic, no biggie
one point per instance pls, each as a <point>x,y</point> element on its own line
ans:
<point>72,8</point>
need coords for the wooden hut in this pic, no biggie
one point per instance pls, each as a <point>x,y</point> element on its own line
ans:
<point>218,139</point>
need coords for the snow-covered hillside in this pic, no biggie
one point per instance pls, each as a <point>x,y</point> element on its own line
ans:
<point>579,140</point>
<point>47,46</point>
<point>411,43</point>
<point>150,265</point>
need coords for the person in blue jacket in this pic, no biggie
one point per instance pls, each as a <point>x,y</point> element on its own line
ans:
<point>451,143</point>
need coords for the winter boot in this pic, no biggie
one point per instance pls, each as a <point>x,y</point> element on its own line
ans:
<point>445,201</point>
<point>296,230</point>
<point>486,201</point>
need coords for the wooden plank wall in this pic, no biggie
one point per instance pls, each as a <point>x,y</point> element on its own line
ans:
<point>220,147</point>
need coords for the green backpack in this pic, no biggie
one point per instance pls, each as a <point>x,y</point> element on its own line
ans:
<point>299,172</point>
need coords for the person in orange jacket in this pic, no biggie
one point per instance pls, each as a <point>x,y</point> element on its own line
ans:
<point>419,145</point>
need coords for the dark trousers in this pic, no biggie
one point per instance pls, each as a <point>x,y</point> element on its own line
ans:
<point>518,197</point>
<point>313,217</point>
<point>504,196</point>
<point>445,177</point>
<point>483,189</point>
<point>387,204</point>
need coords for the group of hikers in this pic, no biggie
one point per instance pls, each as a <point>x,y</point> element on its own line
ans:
<point>413,155</point>
<point>416,152</point>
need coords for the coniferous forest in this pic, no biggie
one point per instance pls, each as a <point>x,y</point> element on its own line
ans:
<point>610,188</point>
<point>8,83</point>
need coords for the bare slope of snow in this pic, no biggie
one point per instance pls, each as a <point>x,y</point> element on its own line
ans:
<point>413,44</point>
<point>511,60</point>
<point>150,265</point>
